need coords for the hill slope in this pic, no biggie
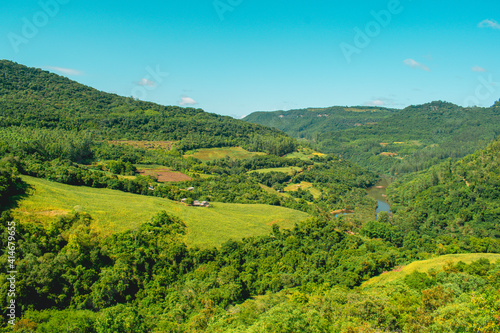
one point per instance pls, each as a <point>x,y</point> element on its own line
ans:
<point>459,202</point>
<point>426,265</point>
<point>115,212</point>
<point>311,123</point>
<point>409,140</point>
<point>36,98</point>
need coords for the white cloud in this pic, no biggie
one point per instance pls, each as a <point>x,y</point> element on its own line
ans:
<point>489,24</point>
<point>414,64</point>
<point>383,102</point>
<point>65,71</point>
<point>187,101</point>
<point>376,102</point>
<point>478,69</point>
<point>146,82</point>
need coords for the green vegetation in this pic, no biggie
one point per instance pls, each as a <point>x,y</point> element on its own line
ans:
<point>114,212</point>
<point>288,170</point>
<point>311,123</point>
<point>218,153</point>
<point>35,98</point>
<point>93,184</point>
<point>149,271</point>
<point>452,205</point>
<point>428,266</point>
<point>391,141</point>
<point>458,297</point>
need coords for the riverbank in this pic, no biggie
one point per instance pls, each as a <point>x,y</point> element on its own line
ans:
<point>378,192</point>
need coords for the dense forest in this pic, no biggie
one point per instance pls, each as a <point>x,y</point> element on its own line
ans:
<point>454,202</point>
<point>409,140</point>
<point>34,98</point>
<point>317,276</point>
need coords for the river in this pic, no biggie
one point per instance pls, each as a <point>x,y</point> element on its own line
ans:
<point>378,192</point>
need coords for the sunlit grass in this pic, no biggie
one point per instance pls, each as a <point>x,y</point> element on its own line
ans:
<point>426,265</point>
<point>116,211</point>
<point>216,153</point>
<point>289,170</point>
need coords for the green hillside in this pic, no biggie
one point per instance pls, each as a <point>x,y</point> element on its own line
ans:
<point>458,294</point>
<point>31,97</point>
<point>426,266</point>
<point>454,201</point>
<point>311,123</point>
<point>115,212</point>
<point>393,142</point>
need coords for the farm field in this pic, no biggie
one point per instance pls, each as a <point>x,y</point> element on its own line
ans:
<point>304,154</point>
<point>426,265</point>
<point>167,145</point>
<point>304,186</point>
<point>165,175</point>
<point>115,211</point>
<point>288,170</point>
<point>216,153</point>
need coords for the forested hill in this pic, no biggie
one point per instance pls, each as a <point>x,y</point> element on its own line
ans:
<point>412,139</point>
<point>458,202</point>
<point>32,97</point>
<point>310,123</point>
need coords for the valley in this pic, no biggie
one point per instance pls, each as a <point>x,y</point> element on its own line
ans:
<point>137,217</point>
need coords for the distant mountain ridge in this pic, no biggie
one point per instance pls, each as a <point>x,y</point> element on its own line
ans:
<point>311,122</point>
<point>393,141</point>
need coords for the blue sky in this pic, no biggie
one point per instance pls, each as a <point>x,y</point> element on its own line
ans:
<point>234,57</point>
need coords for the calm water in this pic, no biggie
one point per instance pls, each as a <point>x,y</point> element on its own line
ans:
<point>378,193</point>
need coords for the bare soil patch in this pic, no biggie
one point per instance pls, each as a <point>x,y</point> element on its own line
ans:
<point>165,175</point>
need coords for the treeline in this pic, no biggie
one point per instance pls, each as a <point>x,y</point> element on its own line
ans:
<point>34,98</point>
<point>10,182</point>
<point>148,280</point>
<point>458,298</point>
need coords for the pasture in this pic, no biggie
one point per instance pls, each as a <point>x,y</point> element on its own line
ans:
<point>211,154</point>
<point>115,211</point>
<point>426,265</point>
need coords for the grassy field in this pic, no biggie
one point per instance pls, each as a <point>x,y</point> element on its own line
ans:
<point>211,154</point>
<point>304,186</point>
<point>115,211</point>
<point>167,145</point>
<point>426,265</point>
<point>304,154</point>
<point>288,170</point>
